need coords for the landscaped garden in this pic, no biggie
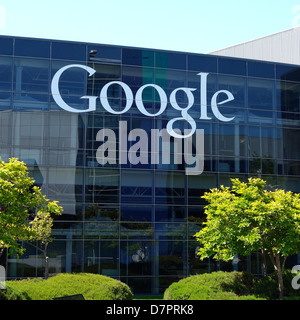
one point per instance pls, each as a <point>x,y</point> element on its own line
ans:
<point>209,286</point>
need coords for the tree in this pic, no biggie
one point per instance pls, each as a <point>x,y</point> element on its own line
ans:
<point>247,218</point>
<point>20,199</point>
<point>40,238</point>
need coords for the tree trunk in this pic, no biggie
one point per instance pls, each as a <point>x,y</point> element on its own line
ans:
<point>46,267</point>
<point>279,270</point>
<point>280,277</point>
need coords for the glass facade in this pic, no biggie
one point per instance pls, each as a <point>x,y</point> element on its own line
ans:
<point>136,221</point>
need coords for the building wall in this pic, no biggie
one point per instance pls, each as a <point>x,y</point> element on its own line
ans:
<point>279,47</point>
<point>136,222</point>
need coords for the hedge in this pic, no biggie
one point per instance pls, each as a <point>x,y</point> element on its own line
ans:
<point>91,286</point>
<point>229,286</point>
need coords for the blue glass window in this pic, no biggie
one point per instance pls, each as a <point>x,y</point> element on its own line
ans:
<point>136,213</point>
<point>68,51</point>
<point>261,117</point>
<point>136,186</point>
<point>72,81</point>
<point>5,100</point>
<point>232,140</point>
<point>289,73</point>
<point>104,54</point>
<point>31,75</point>
<point>261,70</point>
<point>32,48</point>
<point>170,60</point>
<point>288,96</point>
<point>170,213</point>
<point>198,185</point>
<point>138,57</point>
<point>169,187</point>
<point>202,63</point>
<point>31,101</point>
<point>5,73</point>
<point>102,185</point>
<point>232,66</point>
<point>237,86</point>
<point>261,94</point>
<point>6,46</point>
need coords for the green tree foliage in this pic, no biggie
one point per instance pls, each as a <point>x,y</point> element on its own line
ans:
<point>247,218</point>
<point>22,205</point>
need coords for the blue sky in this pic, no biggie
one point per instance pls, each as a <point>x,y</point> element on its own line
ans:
<point>199,26</point>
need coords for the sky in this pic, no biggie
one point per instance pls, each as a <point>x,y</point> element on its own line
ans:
<point>199,26</point>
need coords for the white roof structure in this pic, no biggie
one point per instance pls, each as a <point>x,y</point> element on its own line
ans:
<point>282,47</point>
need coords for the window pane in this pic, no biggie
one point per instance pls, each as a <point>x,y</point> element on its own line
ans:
<point>136,186</point>
<point>69,51</point>
<point>232,66</point>
<point>260,94</point>
<point>232,140</point>
<point>138,57</point>
<point>32,48</point>
<point>6,46</point>
<point>31,75</point>
<point>289,73</point>
<point>170,213</point>
<point>65,130</point>
<point>29,129</point>
<point>172,257</point>
<point>65,185</point>
<point>136,258</point>
<point>104,53</point>
<point>170,60</point>
<point>170,188</point>
<point>102,185</point>
<point>198,185</point>
<point>101,257</point>
<point>30,101</point>
<point>5,74</point>
<point>73,81</point>
<point>235,85</point>
<point>288,96</point>
<point>136,213</point>
<point>101,212</point>
<point>202,63</point>
<point>261,70</point>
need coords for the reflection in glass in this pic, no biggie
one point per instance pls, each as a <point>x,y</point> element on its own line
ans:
<point>101,257</point>
<point>136,186</point>
<point>136,258</point>
<point>260,94</point>
<point>31,75</point>
<point>101,185</point>
<point>172,259</point>
<point>169,188</point>
<point>5,73</point>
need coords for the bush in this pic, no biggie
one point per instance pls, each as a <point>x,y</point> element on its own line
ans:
<point>230,286</point>
<point>212,286</point>
<point>267,286</point>
<point>11,293</point>
<point>91,286</point>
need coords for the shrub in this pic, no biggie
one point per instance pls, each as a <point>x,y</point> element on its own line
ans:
<point>11,293</point>
<point>91,286</point>
<point>267,286</point>
<point>213,286</point>
<point>230,286</point>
